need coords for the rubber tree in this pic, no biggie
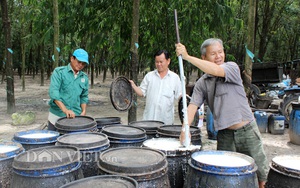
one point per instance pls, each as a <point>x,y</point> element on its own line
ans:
<point>10,93</point>
<point>56,33</point>
<point>247,73</point>
<point>134,55</point>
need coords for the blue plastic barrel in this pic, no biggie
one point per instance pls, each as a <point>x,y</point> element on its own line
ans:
<point>276,124</point>
<point>294,125</point>
<point>90,146</point>
<point>50,166</point>
<point>221,169</point>
<point>8,150</point>
<point>211,132</point>
<point>36,138</point>
<point>261,120</point>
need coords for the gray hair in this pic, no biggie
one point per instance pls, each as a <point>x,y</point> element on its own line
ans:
<point>209,42</point>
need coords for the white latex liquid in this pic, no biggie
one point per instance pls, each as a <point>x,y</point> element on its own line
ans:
<point>222,160</point>
<point>6,149</point>
<point>38,135</point>
<point>292,162</point>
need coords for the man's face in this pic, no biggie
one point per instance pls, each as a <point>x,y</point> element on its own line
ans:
<point>77,65</point>
<point>215,53</point>
<point>162,63</point>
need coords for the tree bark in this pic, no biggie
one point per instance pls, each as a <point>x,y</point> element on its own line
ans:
<point>10,93</point>
<point>56,33</point>
<point>247,73</point>
<point>134,56</point>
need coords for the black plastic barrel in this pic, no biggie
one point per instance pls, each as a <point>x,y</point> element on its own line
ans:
<point>173,131</point>
<point>149,126</point>
<point>221,169</point>
<point>177,157</point>
<point>124,135</point>
<point>102,121</point>
<point>294,124</point>
<point>284,172</point>
<point>8,150</point>
<point>36,138</point>
<point>90,146</point>
<point>51,166</point>
<point>105,181</point>
<point>149,167</point>
<point>78,124</point>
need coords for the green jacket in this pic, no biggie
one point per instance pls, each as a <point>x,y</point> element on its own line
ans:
<point>65,88</point>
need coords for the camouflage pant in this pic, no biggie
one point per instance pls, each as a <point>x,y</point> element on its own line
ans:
<point>246,140</point>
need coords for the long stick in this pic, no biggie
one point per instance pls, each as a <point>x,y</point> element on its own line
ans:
<point>187,140</point>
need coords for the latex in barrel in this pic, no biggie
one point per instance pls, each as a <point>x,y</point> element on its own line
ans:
<point>177,157</point>
<point>173,131</point>
<point>8,150</point>
<point>284,172</point>
<point>36,138</point>
<point>221,169</point>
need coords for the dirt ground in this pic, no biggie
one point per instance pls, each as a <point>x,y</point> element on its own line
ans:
<point>100,106</point>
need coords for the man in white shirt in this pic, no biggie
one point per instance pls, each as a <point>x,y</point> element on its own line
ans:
<point>161,88</point>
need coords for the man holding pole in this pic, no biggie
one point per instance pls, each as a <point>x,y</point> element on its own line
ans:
<point>222,88</point>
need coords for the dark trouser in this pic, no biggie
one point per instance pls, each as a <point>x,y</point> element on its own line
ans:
<point>246,140</point>
<point>51,126</point>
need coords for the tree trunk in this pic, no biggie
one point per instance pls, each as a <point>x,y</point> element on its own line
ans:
<point>56,33</point>
<point>10,93</point>
<point>247,73</point>
<point>134,56</point>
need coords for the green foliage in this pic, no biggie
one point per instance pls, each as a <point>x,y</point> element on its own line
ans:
<point>104,28</point>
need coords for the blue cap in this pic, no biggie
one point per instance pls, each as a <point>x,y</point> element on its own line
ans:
<point>81,55</point>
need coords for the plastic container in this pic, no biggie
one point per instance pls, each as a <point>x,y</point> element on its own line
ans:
<point>276,124</point>
<point>36,138</point>
<point>261,120</point>
<point>8,150</point>
<point>221,169</point>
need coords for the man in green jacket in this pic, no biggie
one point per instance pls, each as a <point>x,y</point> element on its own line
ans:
<point>68,89</point>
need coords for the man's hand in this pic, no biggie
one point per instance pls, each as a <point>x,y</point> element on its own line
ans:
<point>69,114</point>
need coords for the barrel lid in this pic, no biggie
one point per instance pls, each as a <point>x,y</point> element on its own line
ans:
<point>132,161</point>
<point>175,130</point>
<point>289,164</point>
<point>123,132</point>
<point>107,181</point>
<point>121,93</point>
<point>170,146</point>
<point>148,125</point>
<point>108,120</point>
<point>36,137</point>
<point>75,124</point>
<point>223,162</point>
<point>84,140</point>
<point>10,149</point>
<point>47,158</point>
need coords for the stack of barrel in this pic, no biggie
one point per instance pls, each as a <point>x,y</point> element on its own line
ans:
<point>133,155</point>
